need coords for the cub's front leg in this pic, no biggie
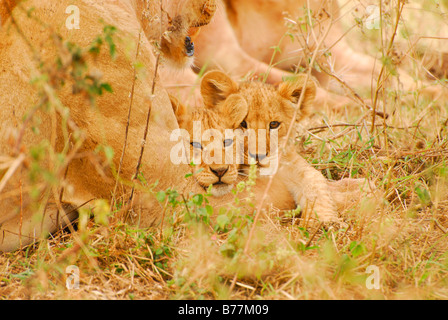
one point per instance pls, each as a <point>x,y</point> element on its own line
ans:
<point>308,187</point>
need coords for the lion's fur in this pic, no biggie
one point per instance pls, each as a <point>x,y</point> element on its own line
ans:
<point>265,104</point>
<point>227,103</point>
<point>28,40</point>
<point>229,113</point>
<point>212,154</point>
<point>241,51</point>
<point>103,124</point>
<point>6,6</point>
<point>269,39</point>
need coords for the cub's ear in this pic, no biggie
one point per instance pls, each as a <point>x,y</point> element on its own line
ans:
<point>180,111</point>
<point>216,86</point>
<point>234,111</point>
<point>292,88</point>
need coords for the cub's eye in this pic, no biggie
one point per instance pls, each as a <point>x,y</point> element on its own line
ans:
<point>196,145</point>
<point>228,142</point>
<point>274,125</point>
<point>243,125</point>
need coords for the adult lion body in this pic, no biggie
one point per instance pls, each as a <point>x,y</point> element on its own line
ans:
<point>250,30</point>
<point>272,38</point>
<point>241,38</point>
<point>36,130</point>
<point>27,42</point>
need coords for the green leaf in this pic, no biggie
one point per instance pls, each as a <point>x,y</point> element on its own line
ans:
<point>423,195</point>
<point>101,211</point>
<point>109,152</point>
<point>227,249</point>
<point>357,248</point>
<point>388,63</point>
<point>106,86</point>
<point>276,49</point>
<point>222,221</point>
<point>198,199</point>
<point>112,46</point>
<point>209,210</point>
<point>202,212</point>
<point>161,196</point>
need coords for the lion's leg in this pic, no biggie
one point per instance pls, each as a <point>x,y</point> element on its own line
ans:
<point>26,228</point>
<point>218,47</point>
<point>309,189</point>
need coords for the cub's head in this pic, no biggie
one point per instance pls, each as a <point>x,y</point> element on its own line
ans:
<point>183,20</point>
<point>213,150</point>
<point>270,109</point>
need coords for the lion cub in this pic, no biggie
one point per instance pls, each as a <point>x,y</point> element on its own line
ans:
<point>211,148</point>
<point>272,109</point>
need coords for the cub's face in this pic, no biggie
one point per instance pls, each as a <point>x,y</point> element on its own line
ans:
<point>183,20</point>
<point>270,110</point>
<point>214,146</point>
<point>213,157</point>
<point>267,121</point>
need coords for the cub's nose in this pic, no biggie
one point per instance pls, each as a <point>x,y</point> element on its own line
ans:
<point>219,172</point>
<point>257,157</point>
<point>189,47</point>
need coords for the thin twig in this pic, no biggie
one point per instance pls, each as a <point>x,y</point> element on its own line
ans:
<point>321,128</point>
<point>381,76</point>
<point>313,235</point>
<point>128,121</point>
<point>142,150</point>
<point>440,226</point>
<point>14,166</point>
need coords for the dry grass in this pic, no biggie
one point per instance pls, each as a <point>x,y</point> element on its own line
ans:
<point>403,232</point>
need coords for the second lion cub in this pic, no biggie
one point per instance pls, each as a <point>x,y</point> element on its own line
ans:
<point>270,112</point>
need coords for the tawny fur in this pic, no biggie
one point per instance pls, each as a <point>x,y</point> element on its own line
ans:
<point>266,104</point>
<point>226,104</point>
<point>241,38</point>
<point>230,113</point>
<point>103,124</point>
